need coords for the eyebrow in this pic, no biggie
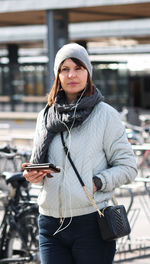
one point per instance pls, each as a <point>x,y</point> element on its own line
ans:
<point>64,66</point>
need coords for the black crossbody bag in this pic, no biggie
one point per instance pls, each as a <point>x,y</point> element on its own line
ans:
<point>112,220</point>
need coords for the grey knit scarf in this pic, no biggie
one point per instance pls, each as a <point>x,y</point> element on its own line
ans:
<point>61,116</point>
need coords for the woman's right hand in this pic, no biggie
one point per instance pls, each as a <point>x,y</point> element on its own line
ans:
<point>34,176</point>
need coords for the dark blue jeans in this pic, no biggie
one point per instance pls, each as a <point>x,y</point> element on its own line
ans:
<point>79,243</point>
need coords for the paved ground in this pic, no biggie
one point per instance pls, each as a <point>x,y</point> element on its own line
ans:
<point>139,217</point>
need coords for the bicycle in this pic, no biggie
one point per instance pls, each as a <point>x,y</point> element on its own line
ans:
<point>19,228</point>
<point>142,154</point>
<point>11,159</point>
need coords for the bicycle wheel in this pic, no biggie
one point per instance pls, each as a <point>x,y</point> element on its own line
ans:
<point>22,242</point>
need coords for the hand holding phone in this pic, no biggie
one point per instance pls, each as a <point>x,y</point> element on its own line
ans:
<point>42,166</point>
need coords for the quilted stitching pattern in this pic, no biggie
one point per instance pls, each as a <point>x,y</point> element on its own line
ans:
<point>97,141</point>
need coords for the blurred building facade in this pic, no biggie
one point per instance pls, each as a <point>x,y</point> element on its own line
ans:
<point>32,34</point>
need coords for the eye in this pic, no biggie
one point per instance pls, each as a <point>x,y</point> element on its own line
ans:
<point>64,69</point>
<point>78,68</point>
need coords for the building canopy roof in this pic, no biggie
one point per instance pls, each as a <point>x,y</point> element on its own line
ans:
<point>32,12</point>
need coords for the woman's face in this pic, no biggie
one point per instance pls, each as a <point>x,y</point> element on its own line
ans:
<point>73,79</point>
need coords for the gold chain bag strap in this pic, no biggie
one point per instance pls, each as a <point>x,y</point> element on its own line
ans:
<point>112,220</point>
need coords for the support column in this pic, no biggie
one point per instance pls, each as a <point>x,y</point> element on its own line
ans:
<point>13,53</point>
<point>57,36</point>
<point>13,68</point>
<point>82,43</point>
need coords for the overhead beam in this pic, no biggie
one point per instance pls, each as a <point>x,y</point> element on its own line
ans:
<point>125,28</point>
<point>28,5</point>
<point>135,49</point>
<point>88,31</point>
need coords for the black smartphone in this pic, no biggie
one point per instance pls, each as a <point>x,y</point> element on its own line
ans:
<point>42,166</point>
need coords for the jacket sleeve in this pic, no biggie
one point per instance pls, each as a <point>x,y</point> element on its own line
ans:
<point>36,136</point>
<point>122,167</point>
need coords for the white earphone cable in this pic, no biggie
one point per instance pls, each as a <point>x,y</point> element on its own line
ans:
<point>64,170</point>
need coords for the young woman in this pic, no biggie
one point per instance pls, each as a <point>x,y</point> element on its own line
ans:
<point>97,142</point>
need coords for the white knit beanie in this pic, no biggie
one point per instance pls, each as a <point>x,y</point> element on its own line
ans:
<point>72,50</point>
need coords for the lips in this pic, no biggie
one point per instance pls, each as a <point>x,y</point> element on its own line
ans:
<point>73,83</point>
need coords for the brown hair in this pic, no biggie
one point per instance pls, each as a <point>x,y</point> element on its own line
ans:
<point>57,85</point>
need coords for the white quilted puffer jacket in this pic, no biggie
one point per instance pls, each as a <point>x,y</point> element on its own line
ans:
<point>99,147</point>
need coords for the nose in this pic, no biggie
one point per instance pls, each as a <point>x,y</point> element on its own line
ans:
<point>71,73</point>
